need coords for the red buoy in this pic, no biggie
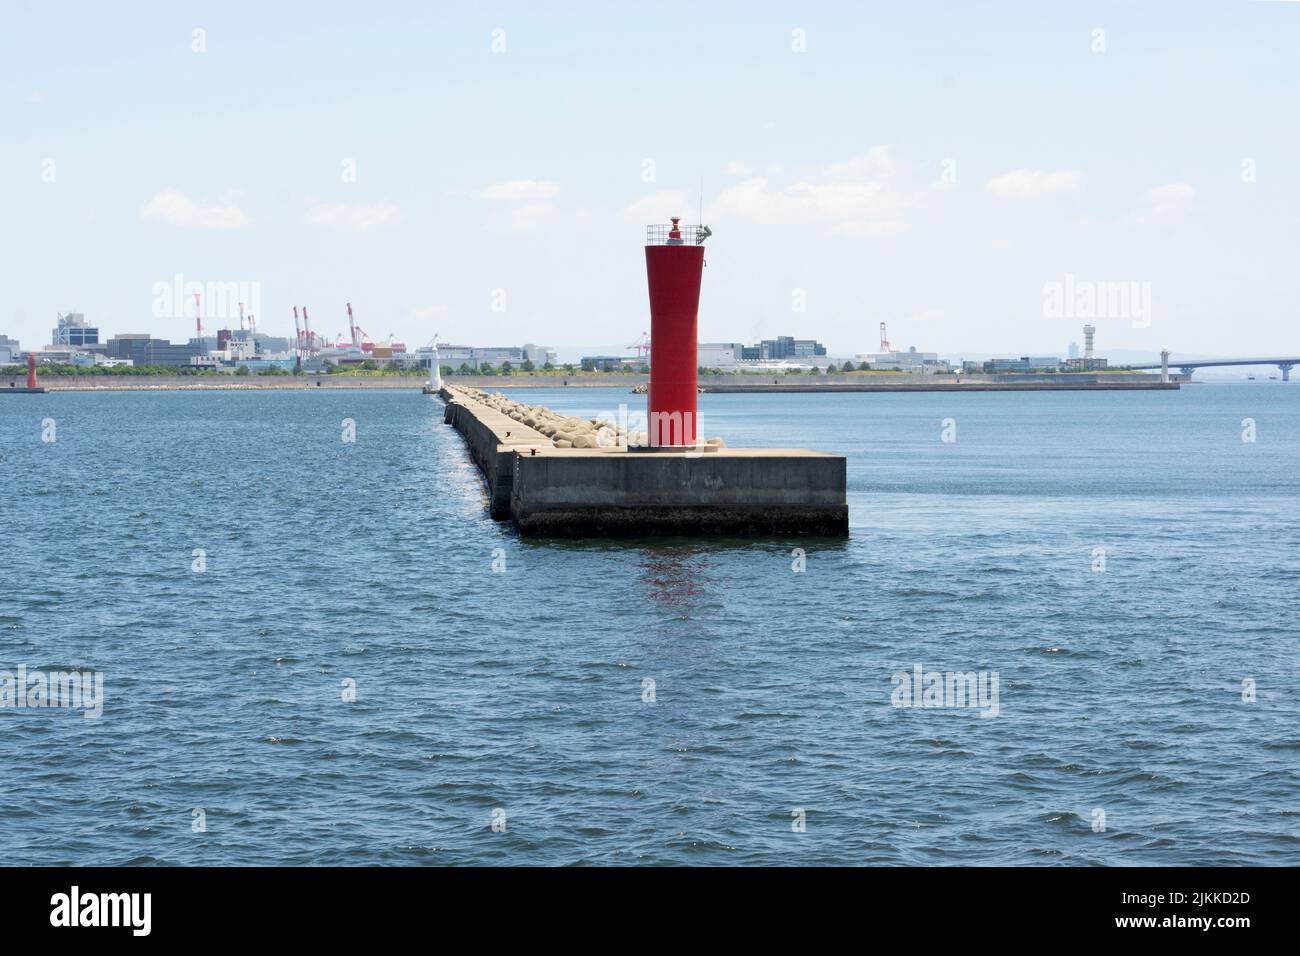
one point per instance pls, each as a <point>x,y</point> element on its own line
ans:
<point>674,260</point>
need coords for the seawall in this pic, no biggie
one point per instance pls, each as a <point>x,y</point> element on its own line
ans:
<point>860,382</point>
<point>616,491</point>
<point>1122,385</point>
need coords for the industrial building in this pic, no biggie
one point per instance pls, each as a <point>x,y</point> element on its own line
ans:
<point>540,355</point>
<point>1026,363</point>
<point>605,363</point>
<point>73,332</point>
<point>781,347</point>
<point>454,356</point>
<point>76,342</point>
<point>908,361</point>
<point>890,359</point>
<point>723,355</point>
<point>142,349</point>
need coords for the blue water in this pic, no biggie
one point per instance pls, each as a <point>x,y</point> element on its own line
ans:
<point>521,690</point>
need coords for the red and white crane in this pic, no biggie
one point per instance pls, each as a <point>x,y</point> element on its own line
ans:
<point>642,346</point>
<point>306,325</point>
<point>361,339</point>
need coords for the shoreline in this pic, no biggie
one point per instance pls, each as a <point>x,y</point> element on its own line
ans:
<point>708,384</point>
<point>952,387</point>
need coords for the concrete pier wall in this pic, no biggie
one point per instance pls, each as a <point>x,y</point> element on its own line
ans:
<point>733,491</point>
<point>593,492</point>
<point>492,438</point>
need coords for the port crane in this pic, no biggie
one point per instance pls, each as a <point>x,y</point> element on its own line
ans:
<point>359,335</point>
<point>642,346</point>
<point>310,335</point>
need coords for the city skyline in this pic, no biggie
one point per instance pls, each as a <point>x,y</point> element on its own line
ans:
<point>85,338</point>
<point>462,176</point>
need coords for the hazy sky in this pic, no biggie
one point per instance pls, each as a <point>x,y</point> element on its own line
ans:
<point>486,171</point>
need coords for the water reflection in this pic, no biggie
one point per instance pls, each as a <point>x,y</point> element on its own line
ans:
<point>675,575</point>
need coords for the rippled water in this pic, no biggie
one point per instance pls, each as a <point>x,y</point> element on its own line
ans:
<point>522,691</point>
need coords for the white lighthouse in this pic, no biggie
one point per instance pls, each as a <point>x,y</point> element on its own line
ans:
<point>435,371</point>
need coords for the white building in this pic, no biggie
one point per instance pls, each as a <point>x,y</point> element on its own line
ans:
<point>539,355</point>
<point>454,356</point>
<point>717,355</point>
<point>909,361</point>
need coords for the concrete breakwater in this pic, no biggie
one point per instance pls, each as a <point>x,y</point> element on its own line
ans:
<point>592,490</point>
<point>567,431</point>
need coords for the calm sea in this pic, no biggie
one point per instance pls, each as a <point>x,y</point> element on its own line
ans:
<point>321,651</point>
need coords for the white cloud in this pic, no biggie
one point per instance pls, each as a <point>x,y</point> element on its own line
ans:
<point>737,168</point>
<point>857,208</point>
<point>876,162</point>
<point>357,216</point>
<point>529,198</point>
<point>1166,201</point>
<point>177,209</point>
<point>521,189</point>
<point>1034,183</point>
<point>852,197</point>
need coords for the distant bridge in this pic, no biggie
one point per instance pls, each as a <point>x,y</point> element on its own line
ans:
<point>1284,365</point>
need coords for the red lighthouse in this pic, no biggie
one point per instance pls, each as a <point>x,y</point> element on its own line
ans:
<point>31,369</point>
<point>674,261</point>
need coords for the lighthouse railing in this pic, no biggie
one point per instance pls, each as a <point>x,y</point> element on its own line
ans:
<point>691,235</point>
